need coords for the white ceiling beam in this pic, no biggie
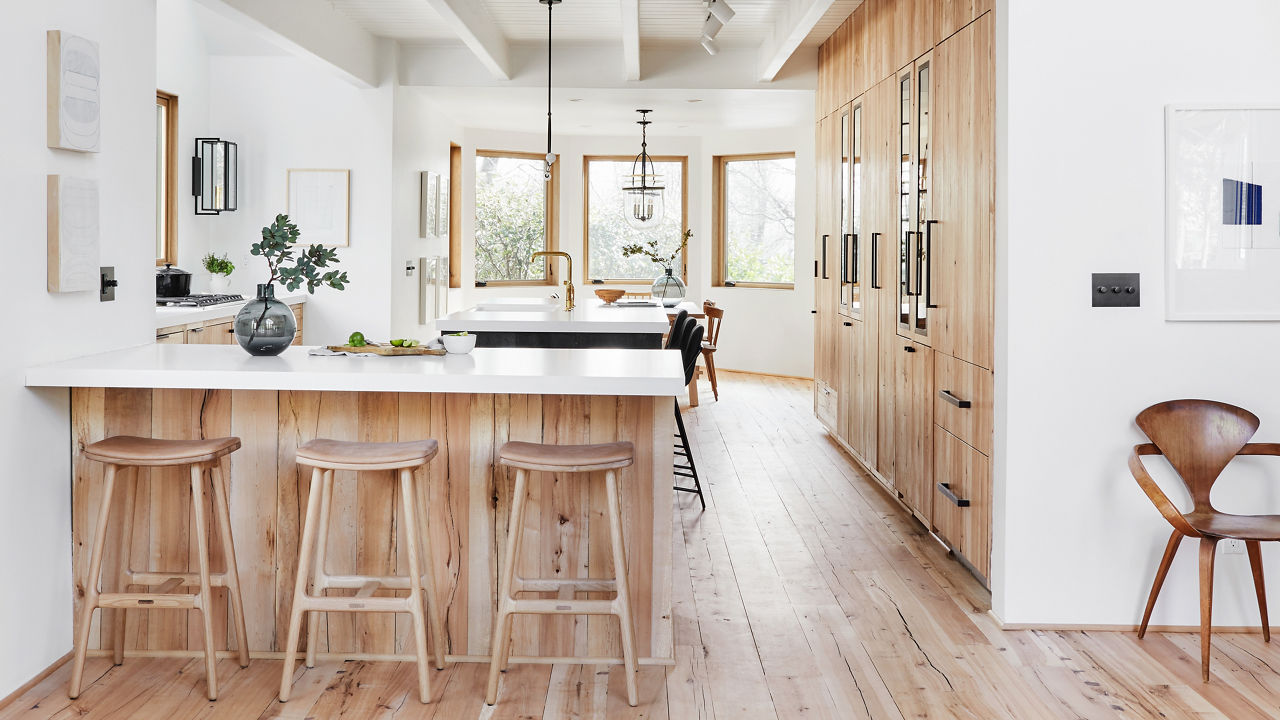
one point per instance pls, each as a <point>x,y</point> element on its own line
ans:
<point>792,26</point>
<point>631,38</point>
<point>467,20</point>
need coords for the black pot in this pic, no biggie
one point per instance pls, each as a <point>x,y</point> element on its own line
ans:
<point>172,282</point>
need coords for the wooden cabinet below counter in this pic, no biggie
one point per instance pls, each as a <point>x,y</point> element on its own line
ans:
<point>215,331</point>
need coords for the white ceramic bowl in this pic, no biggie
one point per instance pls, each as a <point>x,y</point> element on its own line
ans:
<point>459,344</point>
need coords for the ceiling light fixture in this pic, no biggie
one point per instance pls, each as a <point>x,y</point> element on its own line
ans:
<point>711,26</point>
<point>718,13</point>
<point>721,10</point>
<point>642,190</point>
<point>551,158</point>
<point>709,45</point>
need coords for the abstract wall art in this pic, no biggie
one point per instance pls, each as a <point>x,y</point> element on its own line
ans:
<point>73,234</point>
<point>74,80</point>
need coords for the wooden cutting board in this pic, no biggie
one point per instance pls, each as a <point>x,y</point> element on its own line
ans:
<point>386,349</point>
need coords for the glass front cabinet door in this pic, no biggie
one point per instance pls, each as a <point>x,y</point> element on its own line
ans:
<point>914,206</point>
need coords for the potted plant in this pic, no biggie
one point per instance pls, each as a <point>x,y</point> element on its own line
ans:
<point>220,269</point>
<point>667,288</point>
<point>265,326</point>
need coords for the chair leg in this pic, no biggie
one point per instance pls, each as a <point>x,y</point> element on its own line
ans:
<point>623,586</point>
<point>1208,547</point>
<point>502,622</point>
<point>1170,550</point>
<point>415,585</point>
<point>126,551</point>
<point>434,619</point>
<point>709,358</point>
<point>206,589</point>
<point>1259,586</point>
<point>91,583</point>
<point>318,581</point>
<point>688,455</point>
<point>300,585</point>
<point>222,507</point>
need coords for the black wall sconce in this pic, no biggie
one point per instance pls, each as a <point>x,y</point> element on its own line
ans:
<point>214,172</point>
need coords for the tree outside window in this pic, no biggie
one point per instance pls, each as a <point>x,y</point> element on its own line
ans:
<point>607,229</point>
<point>755,238</point>
<point>514,218</point>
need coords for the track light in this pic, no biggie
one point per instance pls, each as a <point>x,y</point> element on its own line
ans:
<point>711,26</point>
<point>723,12</point>
<point>709,44</point>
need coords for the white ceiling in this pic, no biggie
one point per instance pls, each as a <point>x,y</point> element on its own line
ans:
<point>588,21</point>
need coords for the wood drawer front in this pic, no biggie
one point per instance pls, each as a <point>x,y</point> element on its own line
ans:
<point>967,475</point>
<point>956,383</point>
<point>826,404</point>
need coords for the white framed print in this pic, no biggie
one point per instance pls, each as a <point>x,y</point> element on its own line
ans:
<point>320,205</point>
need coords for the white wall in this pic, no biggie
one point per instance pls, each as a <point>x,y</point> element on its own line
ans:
<point>286,113</point>
<point>35,452</point>
<point>1081,153</point>
<point>765,330</point>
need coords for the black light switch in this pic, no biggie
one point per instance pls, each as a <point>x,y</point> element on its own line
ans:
<point>107,284</point>
<point>1116,290</point>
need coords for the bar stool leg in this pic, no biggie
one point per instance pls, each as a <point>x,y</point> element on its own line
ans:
<point>126,552</point>
<point>515,573</point>
<point>502,622</point>
<point>415,584</point>
<point>206,591</point>
<point>91,582</point>
<point>319,581</point>
<point>223,509</point>
<point>300,585</point>
<point>623,600</point>
<point>429,581</point>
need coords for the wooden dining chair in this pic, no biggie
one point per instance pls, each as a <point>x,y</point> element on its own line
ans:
<point>714,316</point>
<point>1199,438</point>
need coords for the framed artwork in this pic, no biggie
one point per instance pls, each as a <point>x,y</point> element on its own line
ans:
<point>1222,228</point>
<point>430,203</point>
<point>442,214</point>
<point>73,234</point>
<point>320,205</point>
<point>74,79</point>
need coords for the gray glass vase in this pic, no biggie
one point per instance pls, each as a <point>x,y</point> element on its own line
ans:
<point>668,289</point>
<point>265,326</point>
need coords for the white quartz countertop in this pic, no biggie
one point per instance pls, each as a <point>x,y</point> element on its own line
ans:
<point>529,315</point>
<point>171,316</point>
<point>523,371</point>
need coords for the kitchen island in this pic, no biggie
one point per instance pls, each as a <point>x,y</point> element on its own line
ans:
<point>471,404</point>
<point>544,323</point>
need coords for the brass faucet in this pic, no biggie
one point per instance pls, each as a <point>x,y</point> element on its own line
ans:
<point>568,282</point>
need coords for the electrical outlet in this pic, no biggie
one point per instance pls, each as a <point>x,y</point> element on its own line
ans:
<point>1232,547</point>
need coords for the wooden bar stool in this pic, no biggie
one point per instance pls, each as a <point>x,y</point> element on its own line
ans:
<point>325,456</point>
<point>130,453</point>
<point>525,457</point>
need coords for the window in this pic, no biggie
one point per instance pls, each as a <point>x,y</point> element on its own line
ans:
<point>166,178</point>
<point>754,220</point>
<point>515,217</point>
<point>607,230</point>
<point>455,215</point>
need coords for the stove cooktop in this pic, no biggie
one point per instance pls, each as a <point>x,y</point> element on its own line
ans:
<point>198,300</point>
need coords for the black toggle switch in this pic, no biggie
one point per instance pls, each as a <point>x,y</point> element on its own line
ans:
<point>1116,290</point>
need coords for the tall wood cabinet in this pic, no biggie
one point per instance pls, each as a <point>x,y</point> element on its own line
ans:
<point>904,305</point>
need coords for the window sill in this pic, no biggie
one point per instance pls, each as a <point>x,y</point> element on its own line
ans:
<point>514,283</point>
<point>757,286</point>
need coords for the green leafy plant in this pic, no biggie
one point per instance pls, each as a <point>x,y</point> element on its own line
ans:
<point>218,265</point>
<point>650,250</point>
<point>291,268</point>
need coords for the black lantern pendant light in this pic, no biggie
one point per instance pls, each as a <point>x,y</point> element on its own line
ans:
<point>642,190</point>
<point>551,157</point>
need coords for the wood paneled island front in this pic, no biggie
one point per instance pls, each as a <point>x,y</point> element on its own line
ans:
<point>471,404</point>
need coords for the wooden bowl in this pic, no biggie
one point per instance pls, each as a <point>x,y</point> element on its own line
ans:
<point>610,296</point>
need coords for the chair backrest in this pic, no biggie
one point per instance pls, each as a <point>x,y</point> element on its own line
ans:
<point>692,350</point>
<point>1199,438</point>
<point>676,333</point>
<point>714,316</point>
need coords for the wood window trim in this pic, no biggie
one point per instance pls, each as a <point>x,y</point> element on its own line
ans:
<point>551,215</point>
<point>719,257</point>
<point>170,103</point>
<point>586,216</point>
<point>455,215</point>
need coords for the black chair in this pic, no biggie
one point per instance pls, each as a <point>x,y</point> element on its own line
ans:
<point>690,348</point>
<point>679,326</point>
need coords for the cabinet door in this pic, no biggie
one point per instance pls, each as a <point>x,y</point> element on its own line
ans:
<point>842,219</point>
<point>219,333</point>
<point>951,15</point>
<point>962,503</point>
<point>913,442</point>
<point>169,336</point>
<point>913,29</point>
<point>849,347</point>
<point>964,194</point>
<point>196,335</point>
<point>825,266</point>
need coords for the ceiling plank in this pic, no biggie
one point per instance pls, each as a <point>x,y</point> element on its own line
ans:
<point>467,20</point>
<point>790,29</point>
<point>631,37</point>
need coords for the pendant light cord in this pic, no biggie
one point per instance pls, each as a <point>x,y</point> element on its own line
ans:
<point>549,7</point>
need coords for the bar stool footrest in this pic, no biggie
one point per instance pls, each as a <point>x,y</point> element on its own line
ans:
<point>519,584</point>
<point>553,606</point>
<point>355,604</point>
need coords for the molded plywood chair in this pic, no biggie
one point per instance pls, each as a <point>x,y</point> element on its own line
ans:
<point>714,316</point>
<point>1199,438</point>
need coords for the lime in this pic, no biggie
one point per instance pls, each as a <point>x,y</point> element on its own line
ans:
<point>398,343</point>
<point>356,339</point>
<point>411,343</point>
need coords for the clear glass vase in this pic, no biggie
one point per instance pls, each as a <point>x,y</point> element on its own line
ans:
<point>668,289</point>
<point>265,326</point>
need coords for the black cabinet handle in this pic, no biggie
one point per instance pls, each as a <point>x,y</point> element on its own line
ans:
<point>844,261</point>
<point>945,489</point>
<point>854,245</point>
<point>919,264</point>
<point>908,348</point>
<point>875,261</point>
<point>962,404</point>
<point>815,268</point>
<point>928,254</point>
<point>824,256</point>
<point>814,312</point>
<point>848,324</point>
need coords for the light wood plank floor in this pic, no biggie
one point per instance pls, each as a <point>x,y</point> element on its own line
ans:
<point>802,591</point>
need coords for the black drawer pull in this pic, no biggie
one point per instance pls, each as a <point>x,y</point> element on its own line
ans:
<point>908,348</point>
<point>962,404</point>
<point>146,602</point>
<point>945,489</point>
<point>824,257</point>
<point>815,312</point>
<point>848,324</point>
